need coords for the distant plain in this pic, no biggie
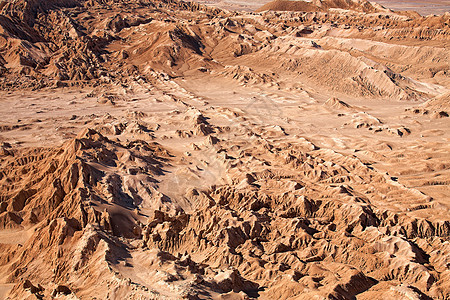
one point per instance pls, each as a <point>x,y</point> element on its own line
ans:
<point>421,6</point>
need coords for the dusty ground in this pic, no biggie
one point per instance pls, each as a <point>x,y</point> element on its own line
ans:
<point>154,150</point>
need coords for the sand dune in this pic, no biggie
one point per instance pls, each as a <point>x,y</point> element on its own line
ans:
<point>321,5</point>
<point>170,150</point>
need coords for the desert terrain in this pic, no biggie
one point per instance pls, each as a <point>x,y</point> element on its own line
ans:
<point>423,7</point>
<point>170,150</point>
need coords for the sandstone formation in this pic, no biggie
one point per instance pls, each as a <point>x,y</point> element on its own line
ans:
<point>169,150</point>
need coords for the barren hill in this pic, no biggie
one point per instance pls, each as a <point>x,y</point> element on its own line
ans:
<point>321,5</point>
<point>168,150</point>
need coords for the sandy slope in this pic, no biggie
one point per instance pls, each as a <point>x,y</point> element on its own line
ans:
<point>422,7</point>
<point>165,150</point>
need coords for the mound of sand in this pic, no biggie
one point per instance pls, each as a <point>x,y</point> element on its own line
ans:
<point>319,5</point>
<point>337,104</point>
<point>441,102</point>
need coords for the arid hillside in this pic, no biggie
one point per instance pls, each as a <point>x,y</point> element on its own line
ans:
<point>169,150</point>
<point>322,5</point>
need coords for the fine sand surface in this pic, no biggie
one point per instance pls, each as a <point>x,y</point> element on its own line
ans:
<point>169,150</point>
